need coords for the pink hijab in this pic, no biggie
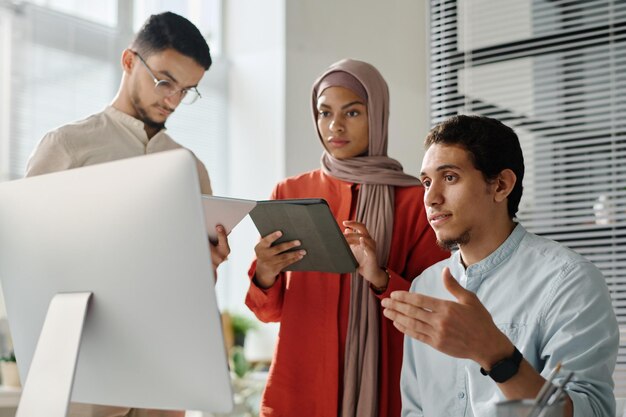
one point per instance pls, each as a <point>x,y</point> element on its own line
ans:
<point>378,175</point>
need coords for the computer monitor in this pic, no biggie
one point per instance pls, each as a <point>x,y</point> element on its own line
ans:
<point>132,233</point>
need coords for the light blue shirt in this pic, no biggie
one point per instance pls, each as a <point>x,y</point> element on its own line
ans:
<point>551,303</point>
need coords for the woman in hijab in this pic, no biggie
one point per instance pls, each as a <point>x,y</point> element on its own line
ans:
<point>336,353</point>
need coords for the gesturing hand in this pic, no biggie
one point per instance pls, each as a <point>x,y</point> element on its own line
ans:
<point>273,259</point>
<point>462,328</point>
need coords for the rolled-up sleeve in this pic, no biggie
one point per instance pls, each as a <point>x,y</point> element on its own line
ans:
<point>266,304</point>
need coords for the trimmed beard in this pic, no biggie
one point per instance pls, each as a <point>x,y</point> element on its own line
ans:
<point>452,244</point>
<point>143,114</point>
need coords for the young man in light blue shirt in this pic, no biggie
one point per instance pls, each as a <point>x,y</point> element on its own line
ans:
<point>492,321</point>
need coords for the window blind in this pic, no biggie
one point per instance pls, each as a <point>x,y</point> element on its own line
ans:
<point>554,71</point>
<point>56,76</point>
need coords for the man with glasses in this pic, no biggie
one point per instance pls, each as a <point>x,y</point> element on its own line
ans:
<point>161,69</point>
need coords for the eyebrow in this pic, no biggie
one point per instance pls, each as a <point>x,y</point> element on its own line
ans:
<point>171,77</point>
<point>442,168</point>
<point>345,106</point>
<point>168,75</point>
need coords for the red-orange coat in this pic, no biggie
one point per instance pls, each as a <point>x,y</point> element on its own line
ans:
<point>306,375</point>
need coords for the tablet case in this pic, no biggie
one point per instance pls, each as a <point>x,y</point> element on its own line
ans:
<point>311,222</point>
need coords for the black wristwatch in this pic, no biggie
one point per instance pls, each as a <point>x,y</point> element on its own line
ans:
<point>505,369</point>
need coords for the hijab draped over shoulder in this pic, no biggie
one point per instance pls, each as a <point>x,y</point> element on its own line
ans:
<point>378,175</point>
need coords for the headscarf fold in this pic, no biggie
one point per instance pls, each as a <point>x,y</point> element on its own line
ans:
<point>378,175</point>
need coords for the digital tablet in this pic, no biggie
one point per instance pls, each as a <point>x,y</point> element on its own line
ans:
<point>311,222</point>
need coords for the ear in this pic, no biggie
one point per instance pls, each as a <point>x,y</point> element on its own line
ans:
<point>503,185</point>
<point>128,60</point>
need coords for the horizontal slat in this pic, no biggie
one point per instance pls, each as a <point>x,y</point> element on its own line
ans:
<point>451,62</point>
<point>543,197</point>
<point>590,86</point>
<point>583,178</point>
<point>569,216</point>
<point>575,198</point>
<point>578,212</point>
<point>583,81</point>
<point>559,134</point>
<point>488,22</point>
<point>542,116</point>
<point>541,10</point>
<point>610,151</point>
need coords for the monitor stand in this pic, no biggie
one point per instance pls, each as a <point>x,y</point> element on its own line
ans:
<point>48,385</point>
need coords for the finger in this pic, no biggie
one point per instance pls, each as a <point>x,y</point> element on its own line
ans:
<point>357,239</point>
<point>410,311</point>
<point>216,257</point>
<point>272,257</point>
<point>358,226</point>
<point>284,260</point>
<point>267,240</point>
<point>265,245</point>
<point>407,325</point>
<point>283,247</point>
<point>454,287</point>
<point>352,238</point>
<point>424,338</point>
<point>418,300</point>
<point>271,266</point>
<point>386,302</point>
<point>368,246</point>
<point>222,241</point>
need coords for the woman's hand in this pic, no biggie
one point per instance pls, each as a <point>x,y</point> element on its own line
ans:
<point>273,259</point>
<point>364,250</point>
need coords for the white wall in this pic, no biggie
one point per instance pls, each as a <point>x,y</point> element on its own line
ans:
<point>391,35</point>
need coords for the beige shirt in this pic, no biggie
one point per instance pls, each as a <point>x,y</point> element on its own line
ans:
<point>103,137</point>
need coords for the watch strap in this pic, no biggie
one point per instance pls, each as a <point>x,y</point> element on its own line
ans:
<point>505,369</point>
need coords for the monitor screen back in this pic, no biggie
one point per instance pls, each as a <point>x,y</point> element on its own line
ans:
<point>131,232</point>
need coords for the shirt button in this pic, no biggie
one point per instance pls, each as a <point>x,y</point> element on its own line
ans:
<point>461,395</point>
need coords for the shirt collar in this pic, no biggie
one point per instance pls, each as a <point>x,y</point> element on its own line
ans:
<point>476,272</point>
<point>131,123</point>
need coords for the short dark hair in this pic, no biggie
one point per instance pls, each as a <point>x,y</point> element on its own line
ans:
<point>169,30</point>
<point>493,147</point>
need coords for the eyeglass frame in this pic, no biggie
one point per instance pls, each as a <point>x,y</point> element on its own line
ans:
<point>182,91</point>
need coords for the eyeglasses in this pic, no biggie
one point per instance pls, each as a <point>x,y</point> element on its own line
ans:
<point>166,88</point>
